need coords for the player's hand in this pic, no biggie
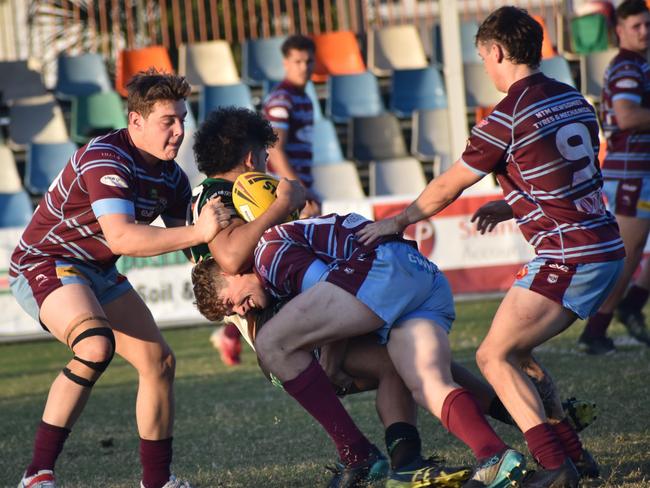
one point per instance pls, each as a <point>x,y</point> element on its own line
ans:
<point>214,216</point>
<point>311,209</point>
<point>371,232</point>
<point>490,214</point>
<point>291,194</point>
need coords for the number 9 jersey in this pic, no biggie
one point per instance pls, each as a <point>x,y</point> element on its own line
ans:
<point>541,142</point>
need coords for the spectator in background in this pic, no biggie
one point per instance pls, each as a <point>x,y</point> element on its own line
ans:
<point>291,113</point>
<point>625,116</point>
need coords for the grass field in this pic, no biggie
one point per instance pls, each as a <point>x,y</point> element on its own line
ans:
<point>234,430</point>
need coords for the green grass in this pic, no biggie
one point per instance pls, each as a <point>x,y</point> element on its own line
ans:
<point>234,430</point>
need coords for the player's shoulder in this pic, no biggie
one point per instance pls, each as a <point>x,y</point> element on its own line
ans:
<point>211,188</point>
<point>110,150</point>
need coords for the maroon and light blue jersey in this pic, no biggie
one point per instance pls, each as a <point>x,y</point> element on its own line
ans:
<point>289,108</point>
<point>106,176</point>
<point>541,141</point>
<point>286,252</point>
<point>628,151</point>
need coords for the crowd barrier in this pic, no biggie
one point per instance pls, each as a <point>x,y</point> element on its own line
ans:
<point>474,263</point>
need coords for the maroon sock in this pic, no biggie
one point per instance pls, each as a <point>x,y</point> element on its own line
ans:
<point>635,298</point>
<point>231,331</point>
<point>313,391</point>
<point>545,446</point>
<point>156,458</point>
<point>569,439</point>
<point>597,324</point>
<point>462,416</point>
<point>48,444</point>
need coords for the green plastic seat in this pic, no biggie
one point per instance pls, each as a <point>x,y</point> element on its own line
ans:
<point>589,34</point>
<point>96,114</point>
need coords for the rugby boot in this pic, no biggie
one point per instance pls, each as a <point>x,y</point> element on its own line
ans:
<point>173,483</point>
<point>634,322</point>
<point>596,346</point>
<point>500,471</point>
<point>587,466</point>
<point>430,472</point>
<point>43,479</point>
<point>373,469</point>
<point>566,476</point>
<point>579,413</point>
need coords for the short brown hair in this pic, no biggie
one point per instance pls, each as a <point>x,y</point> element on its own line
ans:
<point>519,34</point>
<point>148,87</point>
<point>208,280</point>
<point>628,8</point>
<point>299,43</point>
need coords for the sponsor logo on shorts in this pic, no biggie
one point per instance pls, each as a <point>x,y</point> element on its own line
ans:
<point>114,180</point>
<point>552,278</point>
<point>64,271</point>
<point>522,272</point>
<point>627,83</point>
<point>348,270</point>
<point>40,279</point>
<point>628,187</point>
<point>561,267</point>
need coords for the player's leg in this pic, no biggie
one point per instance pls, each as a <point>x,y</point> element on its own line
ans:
<point>284,345</point>
<point>139,341</point>
<point>73,315</point>
<point>524,320</point>
<point>420,350</point>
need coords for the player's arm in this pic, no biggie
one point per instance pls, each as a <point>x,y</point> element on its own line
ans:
<point>125,237</point>
<point>437,195</point>
<point>233,247</point>
<point>630,115</point>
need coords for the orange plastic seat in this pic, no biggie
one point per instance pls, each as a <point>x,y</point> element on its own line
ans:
<point>337,53</point>
<point>130,62</point>
<point>548,50</point>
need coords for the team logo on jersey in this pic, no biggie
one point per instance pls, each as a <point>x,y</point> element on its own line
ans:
<point>279,113</point>
<point>552,278</point>
<point>114,180</point>
<point>522,272</point>
<point>353,220</point>
<point>627,83</point>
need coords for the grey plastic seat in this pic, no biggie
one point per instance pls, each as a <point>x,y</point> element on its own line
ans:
<point>81,75</point>
<point>395,47</point>
<point>337,181</point>
<point>19,80</point>
<point>558,68</point>
<point>375,138</point>
<point>431,139</point>
<point>402,176</point>
<point>9,177</point>
<point>593,72</point>
<point>36,119</point>
<point>207,63</point>
<point>479,89</point>
<point>326,147</point>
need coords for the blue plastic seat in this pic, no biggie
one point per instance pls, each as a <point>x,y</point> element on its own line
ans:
<point>558,67</point>
<point>353,96</point>
<point>81,75</point>
<point>417,89</point>
<point>326,147</point>
<point>15,209</point>
<point>262,60</point>
<point>44,162</point>
<point>215,96</point>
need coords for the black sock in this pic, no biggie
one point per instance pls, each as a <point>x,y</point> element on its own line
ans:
<point>498,412</point>
<point>403,444</point>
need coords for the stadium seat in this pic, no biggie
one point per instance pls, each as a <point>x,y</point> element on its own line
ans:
<point>416,89</point>
<point>19,80</point>
<point>310,89</point>
<point>431,140</point>
<point>326,148</point>
<point>15,209</point>
<point>353,96</point>
<point>96,114</point>
<point>548,50</point>
<point>589,34</point>
<point>213,96</point>
<point>375,138</point>
<point>593,72</point>
<point>262,60</point>
<point>468,30</point>
<point>558,67</point>
<point>479,89</point>
<point>9,177</point>
<point>207,63</point>
<point>337,181</point>
<point>81,75</point>
<point>36,119</point>
<point>44,162</point>
<point>129,62</point>
<point>337,53</point>
<point>402,176</point>
<point>396,47</point>
<point>190,119</point>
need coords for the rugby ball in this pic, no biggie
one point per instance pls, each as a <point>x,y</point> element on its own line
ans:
<point>253,193</point>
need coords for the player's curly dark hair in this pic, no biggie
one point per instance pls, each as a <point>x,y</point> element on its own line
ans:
<point>517,32</point>
<point>627,8</point>
<point>207,281</point>
<point>227,135</point>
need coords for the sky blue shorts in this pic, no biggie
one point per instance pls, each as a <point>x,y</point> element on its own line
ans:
<point>630,197</point>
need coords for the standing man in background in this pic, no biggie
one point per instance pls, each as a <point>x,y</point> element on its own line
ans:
<point>291,113</point>
<point>626,170</point>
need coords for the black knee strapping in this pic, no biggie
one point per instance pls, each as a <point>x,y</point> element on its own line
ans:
<point>99,366</point>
